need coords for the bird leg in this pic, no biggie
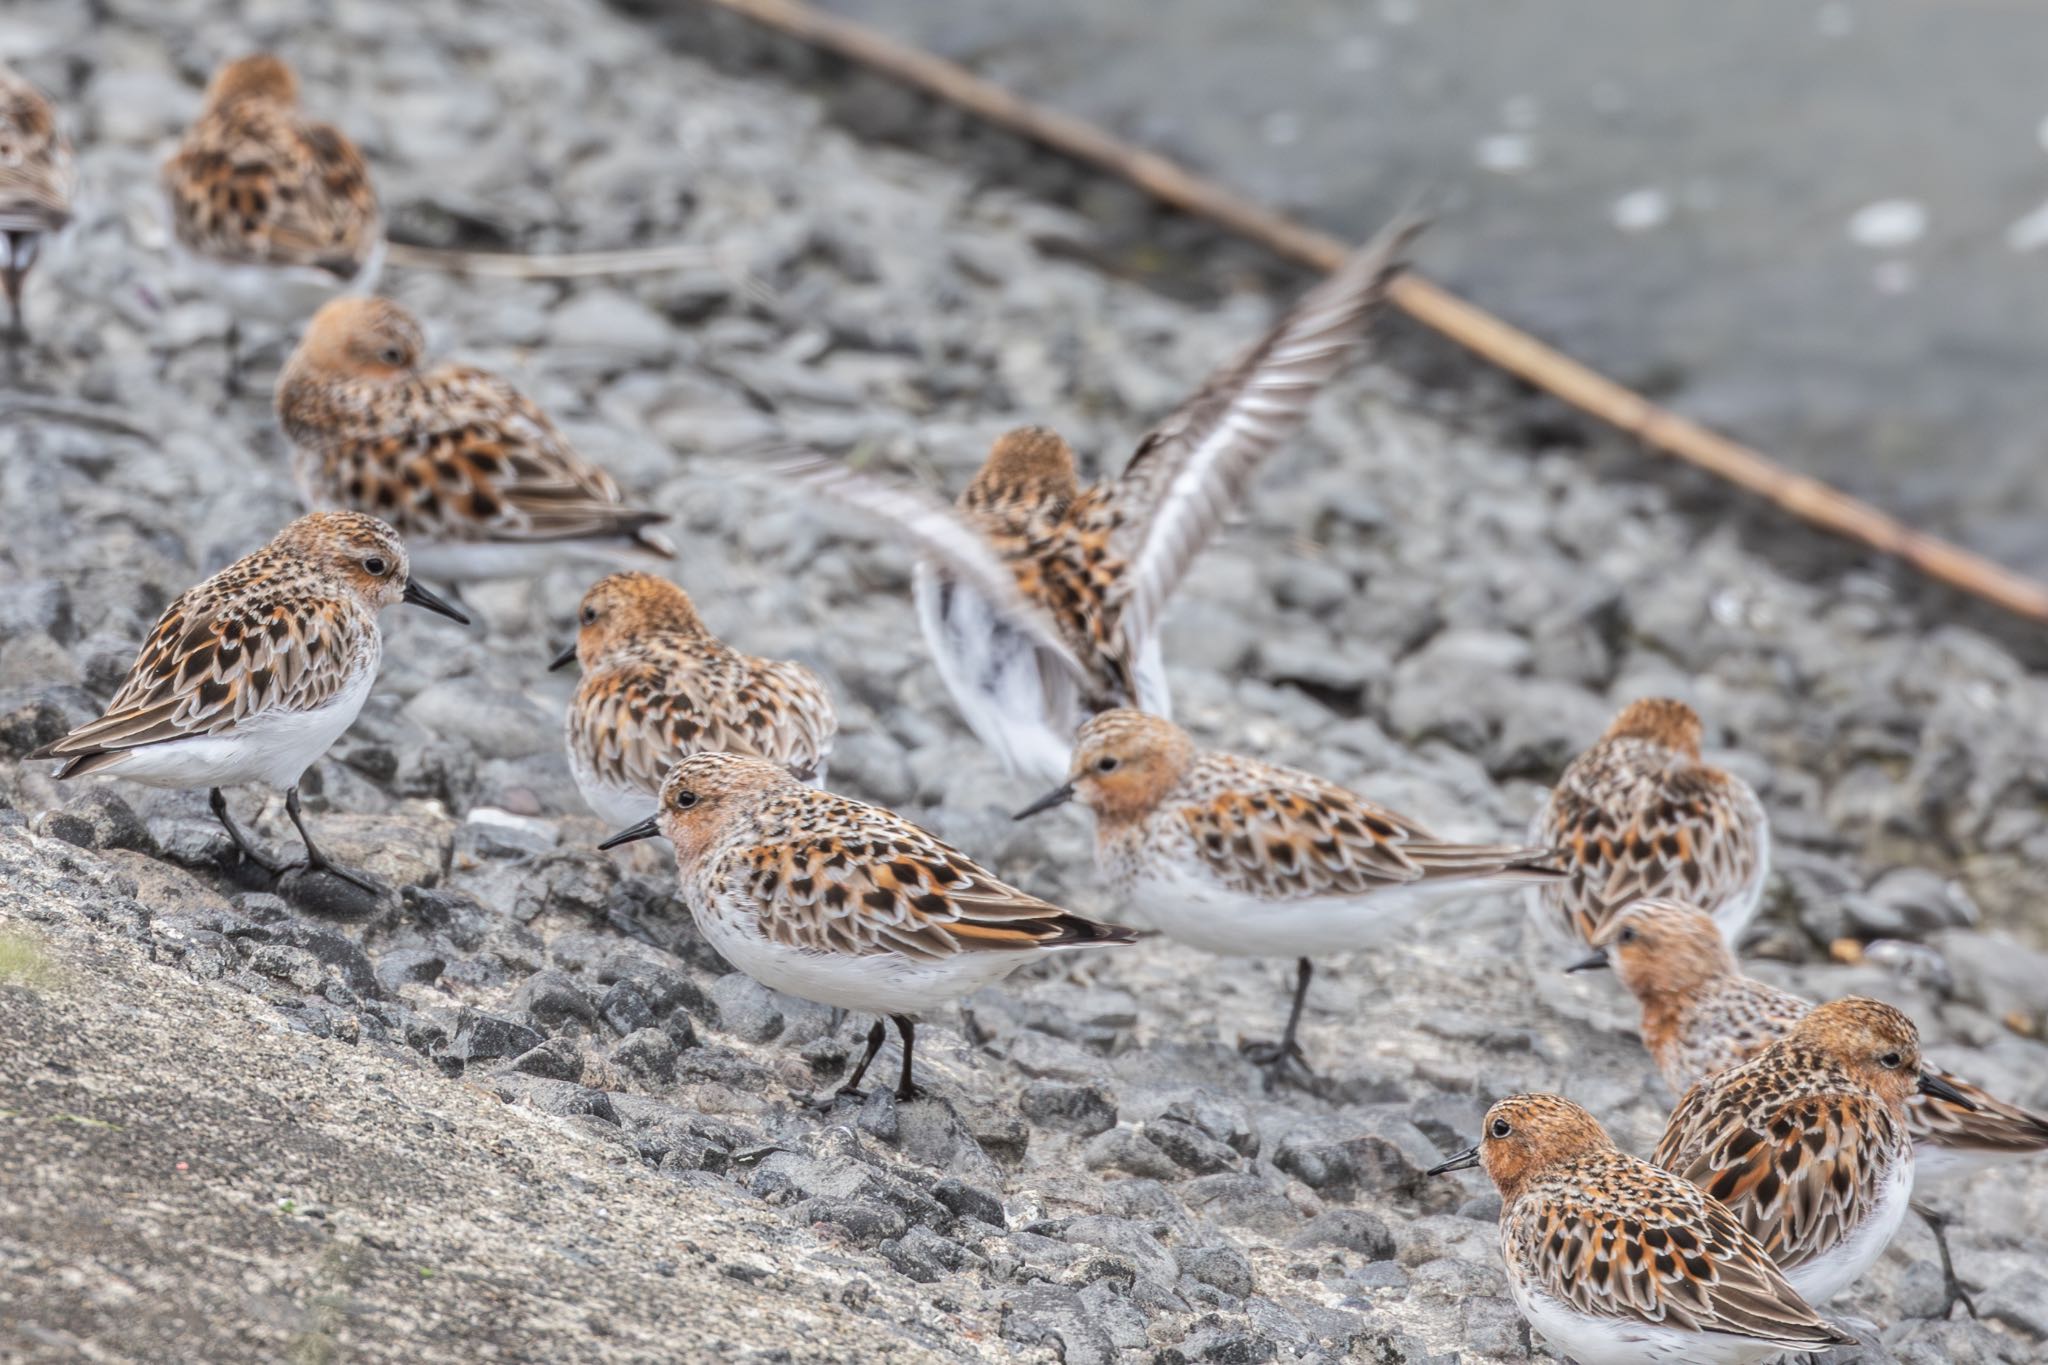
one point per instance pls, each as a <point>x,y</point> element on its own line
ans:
<point>316,861</point>
<point>849,1089</point>
<point>907,1089</point>
<point>1284,1060</point>
<point>1937,1224</point>
<point>218,799</point>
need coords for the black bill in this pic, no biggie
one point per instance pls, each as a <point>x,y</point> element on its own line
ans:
<point>420,597</point>
<point>564,659</point>
<point>1590,964</point>
<point>1931,1084</point>
<point>1058,796</point>
<point>646,829</point>
<point>1463,1161</point>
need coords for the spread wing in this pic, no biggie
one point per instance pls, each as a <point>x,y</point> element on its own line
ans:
<point>633,723</point>
<point>256,183</point>
<point>470,458</point>
<point>1191,469</point>
<point>1794,1171</point>
<point>210,665</point>
<point>1994,1128</point>
<point>1690,833</point>
<point>1666,1255</point>
<point>1280,834</point>
<point>939,532</point>
<point>864,881</point>
<point>37,173</point>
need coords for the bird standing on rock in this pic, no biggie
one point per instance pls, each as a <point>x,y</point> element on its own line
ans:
<point>1639,815</point>
<point>844,903</point>
<point>474,475</point>
<point>1041,598</point>
<point>658,686</point>
<point>1251,859</point>
<point>1808,1142</point>
<point>38,176</point>
<point>254,673</point>
<point>1616,1262</point>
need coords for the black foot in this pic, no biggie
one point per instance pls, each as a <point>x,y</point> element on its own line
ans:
<point>830,1100</point>
<point>908,1091</point>
<point>1283,1063</point>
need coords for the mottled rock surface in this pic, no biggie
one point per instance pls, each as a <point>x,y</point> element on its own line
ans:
<point>524,1112</point>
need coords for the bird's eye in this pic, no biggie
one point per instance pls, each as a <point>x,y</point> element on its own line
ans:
<point>1106,764</point>
<point>1627,935</point>
<point>590,616</point>
<point>685,800</point>
<point>391,355</point>
<point>375,566</point>
<point>1891,1061</point>
<point>1500,1128</point>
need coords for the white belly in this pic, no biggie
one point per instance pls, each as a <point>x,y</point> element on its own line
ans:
<point>1023,712</point>
<point>1623,1341</point>
<point>1196,911</point>
<point>878,983</point>
<point>1828,1274</point>
<point>274,748</point>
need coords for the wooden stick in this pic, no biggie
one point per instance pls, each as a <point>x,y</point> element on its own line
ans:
<point>574,265</point>
<point>1485,335</point>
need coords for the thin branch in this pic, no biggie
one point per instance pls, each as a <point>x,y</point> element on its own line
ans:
<point>1487,336</point>
<point>576,265</point>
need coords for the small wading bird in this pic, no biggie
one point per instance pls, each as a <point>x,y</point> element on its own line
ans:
<point>269,209</point>
<point>1701,1016</point>
<point>1807,1142</point>
<point>254,673</point>
<point>844,903</point>
<point>658,686</point>
<point>1250,859</point>
<point>476,478</point>
<point>1041,598</point>
<point>1639,815</point>
<point>1615,1262</point>
<point>37,179</point>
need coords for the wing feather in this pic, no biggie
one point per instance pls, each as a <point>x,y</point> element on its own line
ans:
<point>1191,469</point>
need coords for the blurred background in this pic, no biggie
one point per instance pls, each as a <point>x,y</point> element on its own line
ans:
<point>1820,227</point>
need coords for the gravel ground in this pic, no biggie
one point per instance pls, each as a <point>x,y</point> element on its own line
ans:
<point>526,1113</point>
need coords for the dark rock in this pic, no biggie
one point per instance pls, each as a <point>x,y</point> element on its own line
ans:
<point>1128,1150</point>
<point>1083,1109</point>
<point>862,1222</point>
<point>648,1054</point>
<point>1352,1229</point>
<point>680,1030</point>
<point>1051,1315</point>
<point>336,950</point>
<point>1390,1158</point>
<point>1220,1267</point>
<point>480,1037</point>
<point>1220,1346</point>
<point>625,1009</point>
<point>922,1255</point>
<point>99,818</point>
<point>559,1059</point>
<point>550,999</point>
<point>1189,1147</point>
<point>30,726</point>
<point>563,1099</point>
<point>663,988</point>
<point>1226,1120</point>
<point>466,922</point>
<point>408,967</point>
<point>970,1201</point>
<point>328,896</point>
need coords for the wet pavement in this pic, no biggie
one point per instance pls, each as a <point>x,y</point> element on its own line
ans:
<point>1820,227</point>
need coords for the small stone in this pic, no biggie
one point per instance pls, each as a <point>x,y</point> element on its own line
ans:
<point>1083,1109</point>
<point>557,1058</point>
<point>480,1036</point>
<point>1221,1267</point>
<point>970,1201</point>
<point>648,1054</point>
<point>409,967</point>
<point>99,818</point>
<point>1190,1148</point>
<point>863,1222</point>
<point>1356,1230</point>
<point>625,1009</point>
<point>922,1255</point>
<point>746,1008</point>
<point>551,999</point>
<point>1125,1149</point>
